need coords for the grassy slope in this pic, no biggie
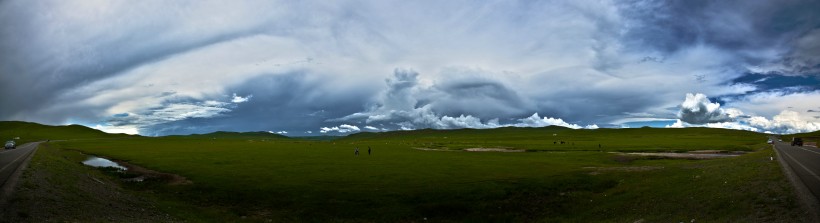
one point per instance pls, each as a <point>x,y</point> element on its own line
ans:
<point>31,132</point>
<point>815,135</point>
<point>310,180</point>
<point>234,135</point>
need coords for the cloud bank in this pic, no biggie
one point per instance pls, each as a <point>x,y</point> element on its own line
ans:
<point>407,105</point>
<point>200,66</point>
<point>698,111</point>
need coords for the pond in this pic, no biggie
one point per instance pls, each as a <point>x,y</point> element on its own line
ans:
<point>102,162</point>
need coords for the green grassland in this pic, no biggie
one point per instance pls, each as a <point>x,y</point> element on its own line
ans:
<point>549,138</point>
<point>273,178</point>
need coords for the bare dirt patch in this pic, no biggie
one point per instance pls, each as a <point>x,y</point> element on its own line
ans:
<point>686,155</point>
<point>148,174</point>
<point>429,149</point>
<point>494,150</point>
<point>503,150</point>
<point>599,170</point>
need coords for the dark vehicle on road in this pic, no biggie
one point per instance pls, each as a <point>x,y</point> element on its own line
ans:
<point>797,142</point>
<point>10,145</point>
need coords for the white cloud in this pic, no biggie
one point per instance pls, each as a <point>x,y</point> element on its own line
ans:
<point>344,128</point>
<point>128,129</point>
<point>309,132</point>
<point>169,112</point>
<point>698,109</point>
<point>771,103</point>
<point>623,121</point>
<point>537,121</point>
<point>398,106</point>
<point>786,122</point>
<point>239,99</point>
<point>722,125</point>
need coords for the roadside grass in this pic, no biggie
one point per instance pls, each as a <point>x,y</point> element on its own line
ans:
<point>56,187</point>
<point>295,180</point>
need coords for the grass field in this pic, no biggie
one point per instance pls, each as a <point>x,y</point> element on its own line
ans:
<point>549,138</point>
<point>280,179</point>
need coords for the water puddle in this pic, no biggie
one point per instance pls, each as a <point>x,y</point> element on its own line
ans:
<point>132,173</point>
<point>102,163</point>
<point>690,155</point>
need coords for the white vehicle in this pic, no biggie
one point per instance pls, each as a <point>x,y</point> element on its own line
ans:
<point>770,141</point>
<point>10,145</point>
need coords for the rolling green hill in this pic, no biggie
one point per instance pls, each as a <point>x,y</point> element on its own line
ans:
<point>808,137</point>
<point>30,132</point>
<point>235,135</point>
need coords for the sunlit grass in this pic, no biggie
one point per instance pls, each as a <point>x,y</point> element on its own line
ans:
<point>286,179</point>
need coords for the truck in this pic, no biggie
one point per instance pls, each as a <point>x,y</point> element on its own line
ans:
<point>797,141</point>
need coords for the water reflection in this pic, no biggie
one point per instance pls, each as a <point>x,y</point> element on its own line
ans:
<point>102,162</point>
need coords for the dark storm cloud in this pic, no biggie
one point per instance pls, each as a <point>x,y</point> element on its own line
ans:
<point>744,27</point>
<point>46,56</point>
<point>402,105</point>
<point>481,97</point>
<point>175,67</point>
<point>291,102</point>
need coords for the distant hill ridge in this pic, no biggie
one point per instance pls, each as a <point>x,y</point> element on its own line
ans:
<point>30,132</point>
<point>226,134</point>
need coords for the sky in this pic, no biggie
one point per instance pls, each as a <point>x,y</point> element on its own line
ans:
<point>339,67</point>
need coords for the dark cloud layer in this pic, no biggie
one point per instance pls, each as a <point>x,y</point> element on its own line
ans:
<point>289,102</point>
<point>49,77</point>
<point>158,68</point>
<point>791,28</point>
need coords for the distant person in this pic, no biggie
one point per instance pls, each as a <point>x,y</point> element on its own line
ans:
<point>599,146</point>
<point>368,150</point>
<point>357,151</point>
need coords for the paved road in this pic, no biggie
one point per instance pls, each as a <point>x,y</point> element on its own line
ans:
<point>11,159</point>
<point>805,162</point>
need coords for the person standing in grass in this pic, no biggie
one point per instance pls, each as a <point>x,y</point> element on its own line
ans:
<point>357,151</point>
<point>368,150</point>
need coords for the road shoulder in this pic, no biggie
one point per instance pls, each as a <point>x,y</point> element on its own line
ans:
<point>57,188</point>
<point>7,189</point>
